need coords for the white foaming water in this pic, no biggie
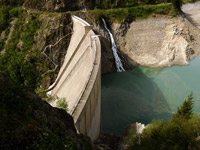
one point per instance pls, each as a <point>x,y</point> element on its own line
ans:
<point>118,62</point>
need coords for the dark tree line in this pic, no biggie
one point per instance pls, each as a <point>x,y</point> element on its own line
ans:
<point>11,2</point>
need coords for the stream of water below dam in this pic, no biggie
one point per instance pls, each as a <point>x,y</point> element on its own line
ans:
<point>143,94</point>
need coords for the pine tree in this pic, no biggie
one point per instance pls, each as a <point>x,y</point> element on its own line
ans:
<point>185,111</point>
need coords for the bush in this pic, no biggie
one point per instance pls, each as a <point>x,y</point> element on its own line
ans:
<point>62,104</point>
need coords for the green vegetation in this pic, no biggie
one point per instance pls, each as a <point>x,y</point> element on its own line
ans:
<point>4,15</point>
<point>118,15</point>
<point>40,91</point>
<point>177,4</point>
<point>11,2</point>
<point>34,1</point>
<point>3,40</point>
<point>179,133</point>
<point>19,62</point>
<point>189,1</point>
<point>106,4</point>
<point>7,13</point>
<point>27,122</point>
<point>62,104</point>
<point>22,63</point>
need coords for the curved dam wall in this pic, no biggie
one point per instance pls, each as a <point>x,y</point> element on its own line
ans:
<point>79,79</point>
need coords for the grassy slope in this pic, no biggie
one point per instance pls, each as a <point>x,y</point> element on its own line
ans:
<point>189,1</point>
<point>16,59</point>
<point>120,14</point>
<point>144,11</point>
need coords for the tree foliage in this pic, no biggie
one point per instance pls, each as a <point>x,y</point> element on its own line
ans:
<point>20,61</point>
<point>61,103</point>
<point>177,4</point>
<point>185,111</point>
<point>4,18</point>
<point>11,2</point>
<point>179,133</point>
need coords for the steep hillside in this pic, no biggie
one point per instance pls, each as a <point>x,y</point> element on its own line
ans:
<point>35,42</point>
<point>34,38</point>
<point>55,5</point>
<point>32,49</point>
<point>27,122</point>
<point>50,5</point>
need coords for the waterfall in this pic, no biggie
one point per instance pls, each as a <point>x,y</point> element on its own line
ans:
<point>118,62</point>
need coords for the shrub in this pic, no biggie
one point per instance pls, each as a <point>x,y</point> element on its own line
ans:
<point>62,104</point>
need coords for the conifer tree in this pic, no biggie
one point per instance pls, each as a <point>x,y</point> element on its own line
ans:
<point>185,111</point>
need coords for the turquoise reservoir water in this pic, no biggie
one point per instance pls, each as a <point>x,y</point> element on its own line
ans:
<point>143,94</point>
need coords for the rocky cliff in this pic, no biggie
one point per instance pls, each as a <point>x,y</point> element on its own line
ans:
<point>158,41</point>
<point>52,39</point>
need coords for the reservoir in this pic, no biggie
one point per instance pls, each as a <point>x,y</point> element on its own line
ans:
<point>144,94</point>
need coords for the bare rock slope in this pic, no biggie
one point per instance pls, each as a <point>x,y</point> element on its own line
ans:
<point>159,41</point>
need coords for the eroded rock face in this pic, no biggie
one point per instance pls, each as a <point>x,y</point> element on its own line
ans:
<point>52,39</point>
<point>107,59</point>
<point>55,5</point>
<point>158,41</point>
<point>108,62</point>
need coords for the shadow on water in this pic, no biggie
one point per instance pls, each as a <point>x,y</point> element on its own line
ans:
<point>131,97</point>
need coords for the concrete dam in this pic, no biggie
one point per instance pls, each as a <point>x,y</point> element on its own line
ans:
<point>79,79</point>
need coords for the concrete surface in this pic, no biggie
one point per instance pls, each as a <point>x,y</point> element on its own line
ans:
<point>79,79</point>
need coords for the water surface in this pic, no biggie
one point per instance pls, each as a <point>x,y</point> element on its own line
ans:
<point>143,94</point>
